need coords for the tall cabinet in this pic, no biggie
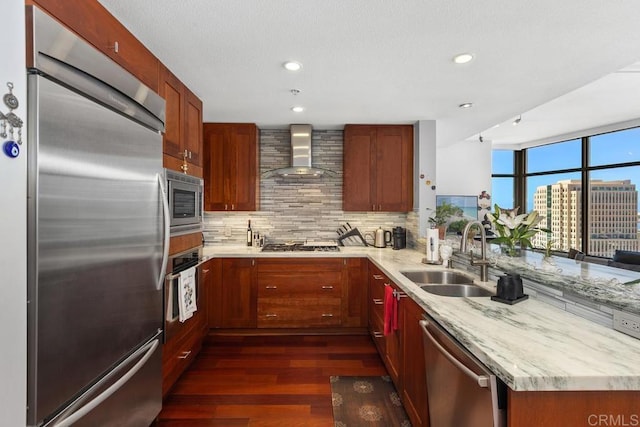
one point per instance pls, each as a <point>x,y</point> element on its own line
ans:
<point>378,168</point>
<point>231,160</point>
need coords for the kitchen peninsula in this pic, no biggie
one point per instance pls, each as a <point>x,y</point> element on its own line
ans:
<point>582,367</point>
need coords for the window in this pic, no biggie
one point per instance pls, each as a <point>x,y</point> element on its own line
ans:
<point>598,219</point>
<point>555,157</point>
<point>503,178</point>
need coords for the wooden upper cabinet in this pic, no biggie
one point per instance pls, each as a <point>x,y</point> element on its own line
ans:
<point>91,21</point>
<point>231,159</point>
<point>358,166</point>
<point>173,94</point>
<point>378,168</point>
<point>193,127</point>
<point>182,143</point>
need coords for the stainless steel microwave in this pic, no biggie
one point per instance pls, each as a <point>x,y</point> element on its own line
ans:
<point>185,194</point>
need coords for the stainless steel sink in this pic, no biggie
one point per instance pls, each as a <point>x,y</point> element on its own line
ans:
<point>438,277</point>
<point>467,290</point>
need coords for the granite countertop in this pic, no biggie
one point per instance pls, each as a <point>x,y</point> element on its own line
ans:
<point>531,346</point>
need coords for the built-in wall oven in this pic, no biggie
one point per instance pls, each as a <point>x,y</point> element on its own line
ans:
<point>185,194</point>
<point>177,264</point>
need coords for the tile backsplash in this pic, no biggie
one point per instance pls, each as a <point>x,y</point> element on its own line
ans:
<point>297,208</point>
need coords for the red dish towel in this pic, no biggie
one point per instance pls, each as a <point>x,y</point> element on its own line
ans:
<point>390,311</point>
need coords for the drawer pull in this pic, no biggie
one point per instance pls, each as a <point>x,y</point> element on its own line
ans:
<point>185,354</point>
<point>327,315</point>
<point>327,287</point>
<point>270,315</point>
<point>378,301</point>
<point>270,287</point>
<point>378,277</point>
<point>378,335</point>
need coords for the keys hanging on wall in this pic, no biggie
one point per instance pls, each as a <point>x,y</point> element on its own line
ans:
<point>11,123</point>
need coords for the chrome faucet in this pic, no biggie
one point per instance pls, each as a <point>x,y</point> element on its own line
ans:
<point>483,262</point>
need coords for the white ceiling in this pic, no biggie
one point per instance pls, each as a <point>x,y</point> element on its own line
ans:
<point>385,61</point>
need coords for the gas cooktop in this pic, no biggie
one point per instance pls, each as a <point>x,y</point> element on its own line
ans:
<point>301,247</point>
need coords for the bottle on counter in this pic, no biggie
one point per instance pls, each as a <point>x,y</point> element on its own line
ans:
<point>249,234</point>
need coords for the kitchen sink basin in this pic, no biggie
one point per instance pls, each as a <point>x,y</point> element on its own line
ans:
<point>465,290</point>
<point>437,277</point>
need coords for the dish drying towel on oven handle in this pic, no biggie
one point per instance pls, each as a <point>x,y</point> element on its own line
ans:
<point>187,294</point>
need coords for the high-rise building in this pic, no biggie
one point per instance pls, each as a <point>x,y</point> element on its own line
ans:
<point>613,216</point>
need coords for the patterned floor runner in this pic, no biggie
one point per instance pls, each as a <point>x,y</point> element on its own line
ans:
<point>366,401</point>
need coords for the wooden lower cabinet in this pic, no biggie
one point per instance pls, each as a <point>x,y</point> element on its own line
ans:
<point>402,350</point>
<point>236,300</point>
<point>573,408</point>
<point>300,293</point>
<point>355,293</point>
<point>186,341</point>
<point>414,386</point>
<point>388,345</point>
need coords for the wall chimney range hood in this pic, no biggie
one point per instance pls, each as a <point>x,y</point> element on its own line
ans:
<point>300,156</point>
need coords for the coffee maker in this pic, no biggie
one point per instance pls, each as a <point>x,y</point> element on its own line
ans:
<point>399,237</point>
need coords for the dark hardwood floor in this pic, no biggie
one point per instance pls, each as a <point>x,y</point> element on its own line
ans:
<point>266,381</point>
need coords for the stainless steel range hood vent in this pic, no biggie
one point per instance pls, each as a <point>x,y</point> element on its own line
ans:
<point>300,156</point>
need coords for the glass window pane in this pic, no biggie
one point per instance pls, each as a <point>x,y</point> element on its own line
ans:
<point>613,211</point>
<point>557,198</point>
<point>502,162</point>
<point>559,156</point>
<point>502,192</point>
<point>615,147</point>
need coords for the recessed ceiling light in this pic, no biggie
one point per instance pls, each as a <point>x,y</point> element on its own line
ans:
<point>463,58</point>
<point>466,105</point>
<point>292,65</point>
<point>297,109</point>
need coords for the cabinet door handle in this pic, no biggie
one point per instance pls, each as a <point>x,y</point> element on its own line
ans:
<point>270,287</point>
<point>205,270</point>
<point>327,287</point>
<point>397,295</point>
<point>373,207</point>
<point>377,334</point>
<point>115,47</point>
<point>185,354</point>
<point>378,301</point>
<point>378,277</point>
<point>225,206</point>
<point>270,315</point>
<point>327,315</point>
<point>379,207</point>
<point>233,207</point>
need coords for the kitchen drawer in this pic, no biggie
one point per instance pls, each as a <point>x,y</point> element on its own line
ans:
<point>299,265</point>
<point>300,285</point>
<point>178,355</point>
<point>298,312</point>
<point>376,329</point>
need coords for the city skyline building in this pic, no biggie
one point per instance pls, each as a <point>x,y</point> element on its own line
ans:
<point>613,216</point>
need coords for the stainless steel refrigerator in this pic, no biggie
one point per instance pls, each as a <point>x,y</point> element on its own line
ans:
<point>98,238</point>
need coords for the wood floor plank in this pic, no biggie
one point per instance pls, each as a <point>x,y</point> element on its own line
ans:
<point>266,381</point>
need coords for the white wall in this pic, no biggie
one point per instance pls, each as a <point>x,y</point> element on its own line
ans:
<point>13,172</point>
<point>464,169</point>
<point>425,170</point>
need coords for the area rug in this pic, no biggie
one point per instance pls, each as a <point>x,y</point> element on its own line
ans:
<point>366,401</point>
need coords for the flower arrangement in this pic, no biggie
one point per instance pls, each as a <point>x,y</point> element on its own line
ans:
<point>514,231</point>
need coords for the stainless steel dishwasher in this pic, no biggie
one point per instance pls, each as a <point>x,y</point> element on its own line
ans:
<point>461,390</point>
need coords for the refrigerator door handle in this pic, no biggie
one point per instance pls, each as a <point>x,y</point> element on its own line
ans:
<point>482,380</point>
<point>150,348</point>
<point>166,222</point>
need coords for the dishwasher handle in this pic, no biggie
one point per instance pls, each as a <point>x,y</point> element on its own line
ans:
<point>482,380</point>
